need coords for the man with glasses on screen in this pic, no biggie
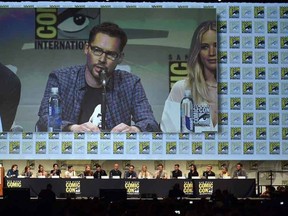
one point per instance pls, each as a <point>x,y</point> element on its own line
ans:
<point>81,88</point>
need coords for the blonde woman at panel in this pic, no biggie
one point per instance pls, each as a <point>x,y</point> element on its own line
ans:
<point>201,81</point>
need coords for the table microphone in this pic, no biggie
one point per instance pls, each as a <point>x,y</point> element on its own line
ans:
<point>103,78</point>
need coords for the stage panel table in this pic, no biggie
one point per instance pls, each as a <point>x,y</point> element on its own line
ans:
<point>90,187</point>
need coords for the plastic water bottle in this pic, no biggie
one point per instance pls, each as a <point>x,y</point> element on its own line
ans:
<point>54,115</point>
<point>186,121</point>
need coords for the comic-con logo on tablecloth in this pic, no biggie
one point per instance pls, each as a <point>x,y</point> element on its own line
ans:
<point>206,188</point>
<point>132,187</point>
<point>14,184</point>
<point>72,187</point>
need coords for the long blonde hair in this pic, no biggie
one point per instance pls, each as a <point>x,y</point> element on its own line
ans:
<point>196,78</point>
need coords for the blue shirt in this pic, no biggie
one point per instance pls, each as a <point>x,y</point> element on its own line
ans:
<point>126,99</point>
<point>12,174</point>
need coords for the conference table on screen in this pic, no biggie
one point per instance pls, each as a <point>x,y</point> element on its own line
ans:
<point>198,188</point>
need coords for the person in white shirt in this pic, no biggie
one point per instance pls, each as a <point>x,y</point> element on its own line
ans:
<point>201,82</point>
<point>160,173</point>
<point>70,172</point>
<point>144,173</point>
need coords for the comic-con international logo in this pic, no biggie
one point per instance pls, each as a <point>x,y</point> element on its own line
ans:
<point>144,147</point>
<point>234,12</point>
<point>223,118</point>
<point>260,103</point>
<point>235,73</point>
<point>248,118</point>
<point>247,57</point>
<point>272,27</point>
<point>261,133</point>
<point>222,26</point>
<point>284,73</point>
<point>188,187</point>
<point>40,147</point>
<point>259,42</point>
<point>260,73</point>
<point>206,188</point>
<point>274,118</point>
<point>72,187</point>
<point>222,57</point>
<point>64,28</point>
<point>118,147</point>
<point>273,88</point>
<point>284,42</point>
<point>235,103</point>
<point>197,147</point>
<point>284,103</point>
<point>284,12</point>
<point>79,136</point>
<point>132,187</point>
<point>246,26</point>
<point>259,12</point>
<point>92,147</point>
<point>171,147</point>
<point>67,147</point>
<point>248,148</point>
<point>222,88</point>
<point>223,148</point>
<point>201,115</point>
<point>234,42</point>
<point>285,133</point>
<point>157,136</point>
<point>273,58</point>
<point>14,184</point>
<point>235,133</point>
<point>274,147</point>
<point>247,88</point>
<point>14,147</point>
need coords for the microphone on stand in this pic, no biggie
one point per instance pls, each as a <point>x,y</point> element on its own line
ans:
<point>103,78</point>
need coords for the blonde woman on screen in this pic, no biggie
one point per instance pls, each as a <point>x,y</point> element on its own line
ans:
<point>201,81</point>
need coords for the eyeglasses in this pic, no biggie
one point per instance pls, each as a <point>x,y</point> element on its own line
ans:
<point>98,52</point>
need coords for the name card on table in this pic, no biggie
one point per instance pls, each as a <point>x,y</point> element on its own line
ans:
<point>89,177</point>
<point>181,177</point>
<point>74,177</point>
<point>41,176</point>
<point>104,177</point>
<point>211,177</point>
<point>115,177</point>
<point>195,177</point>
<point>241,177</point>
<point>55,176</point>
<point>226,177</point>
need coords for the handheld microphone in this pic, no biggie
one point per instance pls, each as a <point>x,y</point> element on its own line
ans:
<point>103,78</point>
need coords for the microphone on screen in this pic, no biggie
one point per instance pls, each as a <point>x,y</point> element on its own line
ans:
<point>103,77</point>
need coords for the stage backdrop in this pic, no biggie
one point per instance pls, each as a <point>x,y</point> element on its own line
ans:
<point>253,80</point>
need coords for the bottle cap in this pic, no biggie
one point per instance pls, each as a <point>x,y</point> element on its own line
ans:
<point>54,90</point>
<point>187,93</point>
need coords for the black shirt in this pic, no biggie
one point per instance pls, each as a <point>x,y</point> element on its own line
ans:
<point>176,174</point>
<point>115,173</point>
<point>98,174</point>
<point>57,172</point>
<point>92,97</point>
<point>190,174</point>
<point>206,174</point>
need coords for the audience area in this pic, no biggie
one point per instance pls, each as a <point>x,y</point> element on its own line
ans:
<point>221,203</point>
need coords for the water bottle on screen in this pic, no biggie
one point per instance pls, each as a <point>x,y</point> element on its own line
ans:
<point>54,115</point>
<point>186,113</point>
